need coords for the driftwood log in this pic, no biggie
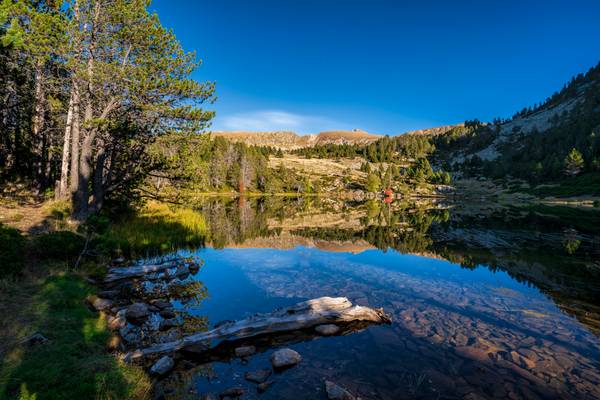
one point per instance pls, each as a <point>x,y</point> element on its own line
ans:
<point>119,273</point>
<point>304,315</point>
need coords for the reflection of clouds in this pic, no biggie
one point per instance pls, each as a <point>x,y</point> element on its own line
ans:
<point>527,337</point>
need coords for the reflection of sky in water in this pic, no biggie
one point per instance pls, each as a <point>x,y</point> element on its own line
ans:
<point>456,331</point>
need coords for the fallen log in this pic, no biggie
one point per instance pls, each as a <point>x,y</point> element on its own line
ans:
<point>304,315</point>
<point>119,273</point>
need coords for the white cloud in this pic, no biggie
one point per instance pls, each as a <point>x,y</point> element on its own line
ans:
<point>277,120</point>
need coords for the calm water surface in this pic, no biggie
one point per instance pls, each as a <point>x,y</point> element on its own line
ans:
<point>486,302</point>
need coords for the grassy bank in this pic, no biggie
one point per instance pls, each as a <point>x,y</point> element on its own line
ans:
<point>41,292</point>
<point>74,363</point>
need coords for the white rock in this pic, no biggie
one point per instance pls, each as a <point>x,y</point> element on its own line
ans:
<point>285,358</point>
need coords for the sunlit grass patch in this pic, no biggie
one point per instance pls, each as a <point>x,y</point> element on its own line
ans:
<point>158,228</point>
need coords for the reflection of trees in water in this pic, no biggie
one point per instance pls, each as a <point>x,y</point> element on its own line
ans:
<point>232,221</point>
<point>556,253</point>
<point>403,229</point>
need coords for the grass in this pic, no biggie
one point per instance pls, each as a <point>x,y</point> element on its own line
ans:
<point>587,184</point>
<point>158,227</point>
<point>74,364</point>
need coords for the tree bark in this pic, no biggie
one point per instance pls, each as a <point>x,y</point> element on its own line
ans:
<point>81,198</point>
<point>75,139</point>
<point>38,124</point>
<point>61,190</point>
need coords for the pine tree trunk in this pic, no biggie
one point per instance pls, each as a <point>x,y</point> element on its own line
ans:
<point>61,190</point>
<point>75,138</point>
<point>38,124</point>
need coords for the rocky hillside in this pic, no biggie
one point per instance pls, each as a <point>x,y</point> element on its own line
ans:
<point>439,130</point>
<point>290,140</point>
<point>557,141</point>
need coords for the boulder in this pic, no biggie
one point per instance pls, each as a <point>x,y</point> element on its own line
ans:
<point>245,351</point>
<point>101,304</point>
<point>258,376</point>
<point>285,358</point>
<point>327,329</point>
<point>168,314</point>
<point>162,366</point>
<point>137,313</point>
<point>336,392</point>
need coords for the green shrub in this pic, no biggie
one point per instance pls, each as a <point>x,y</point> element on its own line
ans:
<point>12,252</point>
<point>61,245</point>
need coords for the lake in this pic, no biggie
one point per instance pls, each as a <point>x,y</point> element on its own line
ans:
<point>487,301</point>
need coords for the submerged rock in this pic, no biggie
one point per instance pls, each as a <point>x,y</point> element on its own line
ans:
<point>336,392</point>
<point>196,348</point>
<point>162,366</point>
<point>285,358</point>
<point>258,376</point>
<point>231,393</point>
<point>262,387</point>
<point>327,329</point>
<point>245,351</point>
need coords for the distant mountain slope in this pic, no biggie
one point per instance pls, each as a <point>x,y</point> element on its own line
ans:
<point>289,140</point>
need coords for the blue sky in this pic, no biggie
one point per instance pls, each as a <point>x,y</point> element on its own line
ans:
<point>385,67</point>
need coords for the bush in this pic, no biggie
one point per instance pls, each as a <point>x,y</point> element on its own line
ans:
<point>61,245</point>
<point>12,252</point>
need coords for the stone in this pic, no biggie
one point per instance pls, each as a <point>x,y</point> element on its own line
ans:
<point>162,366</point>
<point>336,392</point>
<point>168,324</point>
<point>137,313</point>
<point>245,351</point>
<point>258,376</point>
<point>116,323</point>
<point>284,358</point>
<point>262,387</point>
<point>36,338</point>
<point>327,329</point>
<point>231,393</point>
<point>161,304</point>
<point>102,304</point>
<point>194,268</point>
<point>196,349</point>
<point>167,314</point>
<point>109,294</point>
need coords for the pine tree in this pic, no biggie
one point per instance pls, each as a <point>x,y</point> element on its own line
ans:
<point>573,163</point>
